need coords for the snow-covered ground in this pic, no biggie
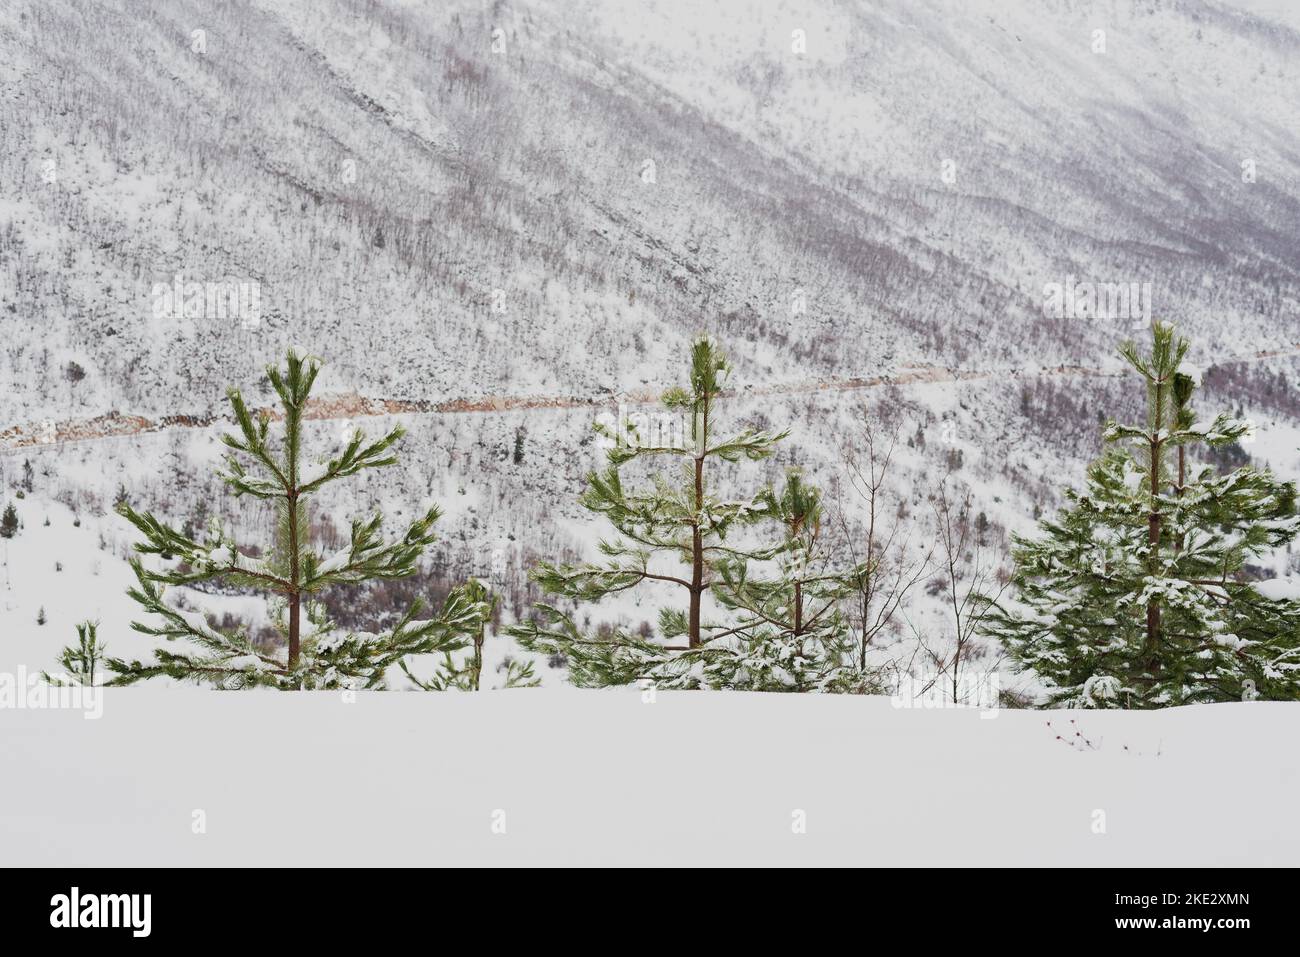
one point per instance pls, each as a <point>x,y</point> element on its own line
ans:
<point>574,777</point>
<point>69,571</point>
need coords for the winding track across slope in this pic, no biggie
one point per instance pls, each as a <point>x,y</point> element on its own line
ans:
<point>343,407</point>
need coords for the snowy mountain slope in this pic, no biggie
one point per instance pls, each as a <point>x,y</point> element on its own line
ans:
<point>415,206</point>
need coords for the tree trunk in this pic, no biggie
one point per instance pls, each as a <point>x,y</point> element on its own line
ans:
<point>295,627</point>
<point>1153,523</point>
<point>862,650</point>
<point>1182,480</point>
<point>295,596</point>
<point>798,608</point>
<point>476,667</point>
<point>697,557</point>
<point>697,540</point>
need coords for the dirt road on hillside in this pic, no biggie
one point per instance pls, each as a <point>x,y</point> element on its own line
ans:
<point>352,406</point>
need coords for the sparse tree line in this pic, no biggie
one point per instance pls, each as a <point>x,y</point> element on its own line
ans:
<point>1136,594</point>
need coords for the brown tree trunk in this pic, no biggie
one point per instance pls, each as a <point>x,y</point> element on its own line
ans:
<point>798,608</point>
<point>1182,480</point>
<point>476,666</point>
<point>697,557</point>
<point>697,540</point>
<point>295,597</point>
<point>1153,526</point>
<point>295,627</point>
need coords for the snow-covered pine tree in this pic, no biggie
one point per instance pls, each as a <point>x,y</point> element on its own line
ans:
<point>9,522</point>
<point>316,653</point>
<point>467,675</point>
<point>683,522</point>
<point>790,633</point>
<point>80,661</point>
<point>1135,595</point>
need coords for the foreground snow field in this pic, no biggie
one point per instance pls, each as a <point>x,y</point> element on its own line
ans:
<point>578,777</point>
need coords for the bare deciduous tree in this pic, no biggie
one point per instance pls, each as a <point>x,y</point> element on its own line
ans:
<point>970,577</point>
<point>884,544</point>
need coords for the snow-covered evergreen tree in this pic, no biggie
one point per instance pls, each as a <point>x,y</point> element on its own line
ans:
<point>81,662</point>
<point>467,674</point>
<point>9,522</point>
<point>1136,594</point>
<point>679,530</point>
<point>791,632</point>
<point>316,653</point>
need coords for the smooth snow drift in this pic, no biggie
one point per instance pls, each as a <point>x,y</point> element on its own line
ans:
<point>564,777</point>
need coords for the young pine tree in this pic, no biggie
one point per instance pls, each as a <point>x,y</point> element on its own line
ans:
<point>9,522</point>
<point>676,530</point>
<point>81,661</point>
<point>1135,594</point>
<point>790,633</point>
<point>467,675</point>
<point>316,654</point>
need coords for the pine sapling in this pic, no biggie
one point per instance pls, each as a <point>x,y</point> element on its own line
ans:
<point>790,632</point>
<point>1138,594</point>
<point>470,608</point>
<point>9,522</point>
<point>316,654</point>
<point>81,662</point>
<point>675,531</point>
